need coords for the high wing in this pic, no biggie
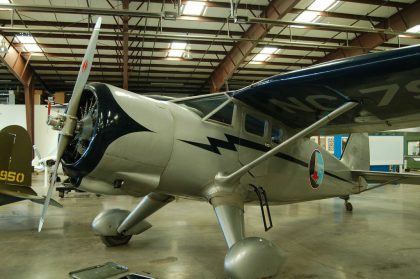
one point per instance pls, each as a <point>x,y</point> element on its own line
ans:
<point>386,85</point>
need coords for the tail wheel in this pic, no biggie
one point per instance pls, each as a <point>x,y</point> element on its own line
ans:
<point>116,240</point>
<point>349,207</point>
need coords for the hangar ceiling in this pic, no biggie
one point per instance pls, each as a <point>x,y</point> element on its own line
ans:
<point>172,51</point>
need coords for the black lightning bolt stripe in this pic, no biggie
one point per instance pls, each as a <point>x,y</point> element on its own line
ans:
<point>232,141</point>
<point>214,146</point>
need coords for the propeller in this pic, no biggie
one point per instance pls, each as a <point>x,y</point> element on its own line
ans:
<point>69,120</point>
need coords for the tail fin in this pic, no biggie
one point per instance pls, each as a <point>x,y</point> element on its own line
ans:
<point>356,153</point>
<point>16,156</point>
<point>16,167</point>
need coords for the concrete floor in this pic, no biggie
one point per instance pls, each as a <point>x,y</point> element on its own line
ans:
<point>380,239</point>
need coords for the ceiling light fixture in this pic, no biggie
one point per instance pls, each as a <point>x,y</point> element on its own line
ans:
<point>322,5</point>
<point>5,2</point>
<point>29,43</point>
<point>414,29</point>
<point>264,54</point>
<point>194,8</point>
<point>177,49</point>
<point>307,16</point>
<point>313,13</point>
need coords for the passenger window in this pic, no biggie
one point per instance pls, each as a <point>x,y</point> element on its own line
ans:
<point>255,125</point>
<point>276,135</point>
<point>224,115</point>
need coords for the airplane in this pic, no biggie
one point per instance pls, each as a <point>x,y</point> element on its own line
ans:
<point>246,146</point>
<point>16,168</point>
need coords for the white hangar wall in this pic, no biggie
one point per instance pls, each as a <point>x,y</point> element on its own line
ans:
<point>45,138</point>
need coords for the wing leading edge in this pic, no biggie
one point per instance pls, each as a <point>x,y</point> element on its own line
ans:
<point>386,84</point>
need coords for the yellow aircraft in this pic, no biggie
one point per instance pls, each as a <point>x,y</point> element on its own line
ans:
<point>16,167</point>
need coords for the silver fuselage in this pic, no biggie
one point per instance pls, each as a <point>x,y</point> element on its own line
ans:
<point>164,159</point>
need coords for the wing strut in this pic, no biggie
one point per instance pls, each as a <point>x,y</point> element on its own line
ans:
<point>233,177</point>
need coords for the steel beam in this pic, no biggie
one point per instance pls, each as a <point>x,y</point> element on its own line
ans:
<point>402,20</point>
<point>256,32</point>
<point>78,10</point>
<point>164,38</point>
<point>28,89</point>
<point>246,6</point>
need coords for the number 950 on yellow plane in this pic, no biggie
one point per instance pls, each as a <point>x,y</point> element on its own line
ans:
<point>11,176</point>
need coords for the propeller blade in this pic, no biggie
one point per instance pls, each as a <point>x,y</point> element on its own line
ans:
<point>62,144</point>
<point>64,139</point>
<point>84,70</point>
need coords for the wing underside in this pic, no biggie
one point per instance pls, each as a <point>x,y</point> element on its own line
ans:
<point>386,85</point>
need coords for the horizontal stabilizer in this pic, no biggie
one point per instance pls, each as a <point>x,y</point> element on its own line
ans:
<point>387,177</point>
<point>24,193</point>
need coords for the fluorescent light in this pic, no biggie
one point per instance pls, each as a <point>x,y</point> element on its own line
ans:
<point>194,8</point>
<point>25,39</point>
<point>264,54</point>
<point>32,48</point>
<point>269,50</point>
<point>414,29</point>
<point>5,2</point>
<point>307,16</point>
<point>175,53</point>
<point>178,45</point>
<point>29,43</point>
<point>322,5</point>
<point>261,57</point>
<point>177,49</point>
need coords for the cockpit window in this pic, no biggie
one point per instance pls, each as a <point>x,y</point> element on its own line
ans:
<point>255,125</point>
<point>203,106</point>
<point>224,115</point>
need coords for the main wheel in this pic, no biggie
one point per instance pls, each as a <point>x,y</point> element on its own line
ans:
<point>115,240</point>
<point>349,207</point>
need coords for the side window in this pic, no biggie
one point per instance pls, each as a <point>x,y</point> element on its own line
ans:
<point>276,134</point>
<point>255,125</point>
<point>224,115</point>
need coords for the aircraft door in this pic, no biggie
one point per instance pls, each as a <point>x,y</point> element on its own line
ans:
<point>254,140</point>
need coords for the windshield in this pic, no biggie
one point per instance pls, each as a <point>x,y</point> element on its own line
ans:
<point>205,105</point>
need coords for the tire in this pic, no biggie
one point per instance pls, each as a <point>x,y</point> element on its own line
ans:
<point>116,240</point>
<point>349,207</point>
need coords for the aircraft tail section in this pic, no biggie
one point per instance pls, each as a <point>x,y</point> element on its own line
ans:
<point>357,157</point>
<point>356,153</point>
<point>16,167</point>
<point>15,157</point>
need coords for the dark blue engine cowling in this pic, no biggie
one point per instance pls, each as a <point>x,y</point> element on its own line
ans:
<point>102,121</point>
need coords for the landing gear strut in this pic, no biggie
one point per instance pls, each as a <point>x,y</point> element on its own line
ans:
<point>247,257</point>
<point>117,226</point>
<point>347,204</point>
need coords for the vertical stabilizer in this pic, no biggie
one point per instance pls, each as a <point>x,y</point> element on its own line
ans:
<point>356,153</point>
<point>15,156</point>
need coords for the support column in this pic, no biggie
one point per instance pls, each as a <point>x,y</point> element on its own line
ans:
<point>29,107</point>
<point>125,45</point>
<point>400,21</point>
<point>20,68</point>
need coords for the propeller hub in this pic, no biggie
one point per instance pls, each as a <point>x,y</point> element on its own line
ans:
<point>56,122</point>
